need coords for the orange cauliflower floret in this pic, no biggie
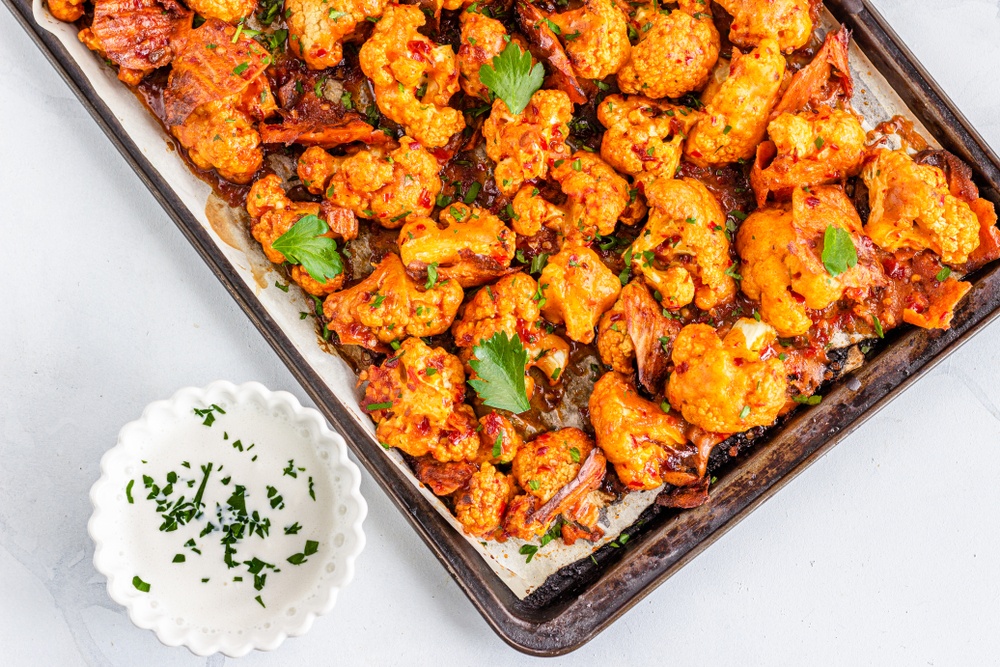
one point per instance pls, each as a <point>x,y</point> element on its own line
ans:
<point>736,112</point>
<point>675,53</point>
<point>645,444</point>
<point>782,258</point>
<point>469,245</point>
<point>525,145</point>
<point>728,385</point>
<point>644,138</point>
<point>378,183</point>
<point>275,214</point>
<point>66,10</point>
<point>683,251</point>
<point>498,440</point>
<point>550,461</point>
<point>911,207</point>
<point>576,289</point>
<point>596,196</point>
<point>511,306</point>
<point>388,306</point>
<point>596,38</point>
<point>483,38</point>
<point>317,28</point>
<point>787,21</point>
<point>229,11</point>
<point>413,77</point>
<point>422,412</point>
<point>481,505</point>
<point>809,148</point>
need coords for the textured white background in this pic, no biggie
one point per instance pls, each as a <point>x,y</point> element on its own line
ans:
<point>886,551</point>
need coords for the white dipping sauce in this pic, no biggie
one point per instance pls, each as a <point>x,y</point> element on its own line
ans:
<point>202,591</point>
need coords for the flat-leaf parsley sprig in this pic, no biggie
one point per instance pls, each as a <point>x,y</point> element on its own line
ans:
<point>499,364</point>
<point>305,244</point>
<point>511,77</point>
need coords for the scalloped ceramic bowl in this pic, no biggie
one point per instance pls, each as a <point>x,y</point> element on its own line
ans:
<point>179,607</point>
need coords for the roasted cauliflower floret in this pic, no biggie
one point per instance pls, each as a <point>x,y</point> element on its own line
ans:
<point>787,21</point>
<point>498,439</point>
<point>808,148</point>
<point>782,263</point>
<point>511,306</point>
<point>66,10</point>
<point>736,112</point>
<point>551,461</point>
<point>576,289</point>
<point>229,11</point>
<point>377,183</point>
<point>675,55</point>
<point>480,506</point>
<point>596,196</point>
<point>388,306</point>
<point>600,44</point>
<point>911,207</point>
<point>646,445</point>
<point>683,252</point>
<point>419,412</point>
<point>274,215</point>
<point>483,39</point>
<point>644,138</point>
<point>524,146</point>
<point>469,245</point>
<point>443,479</point>
<point>728,385</point>
<point>317,28</point>
<point>413,77</point>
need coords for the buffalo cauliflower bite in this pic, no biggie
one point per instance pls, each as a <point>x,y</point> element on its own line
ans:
<point>729,385</point>
<point>229,11</point>
<point>551,461</point>
<point>413,77</point>
<point>911,207</point>
<point>481,505</point>
<point>524,146</point>
<point>418,412</point>
<point>808,148</point>
<point>644,138</point>
<point>511,306</point>
<point>317,28</point>
<point>787,21</point>
<point>782,266</point>
<point>596,196</point>
<point>675,55</point>
<point>443,478</point>
<point>600,46</point>
<point>683,252</point>
<point>483,38</point>
<point>736,112</point>
<point>469,245</point>
<point>498,439</point>
<point>377,183</point>
<point>646,445</point>
<point>576,289</point>
<point>274,215</point>
<point>388,306</point>
<point>66,10</point>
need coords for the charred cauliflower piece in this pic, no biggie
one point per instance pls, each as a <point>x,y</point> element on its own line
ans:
<point>576,289</point>
<point>469,245</point>
<point>483,39</point>
<point>419,412</point>
<point>317,28</point>
<point>413,77</point>
<point>683,252</point>
<point>782,263</point>
<point>645,138</point>
<point>809,148</point>
<point>551,461</point>
<point>646,445</point>
<point>599,44</point>
<point>912,207</point>
<point>524,146</point>
<point>736,112</point>
<point>728,385</point>
<point>596,196</point>
<point>377,183</point>
<point>481,505</point>
<point>229,11</point>
<point>787,21</point>
<point>388,306</point>
<point>511,306</point>
<point>498,440</point>
<point>675,55</point>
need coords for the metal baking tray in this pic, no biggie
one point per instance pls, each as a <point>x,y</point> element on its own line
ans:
<point>583,599</point>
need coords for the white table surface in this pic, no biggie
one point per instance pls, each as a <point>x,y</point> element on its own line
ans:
<point>885,551</point>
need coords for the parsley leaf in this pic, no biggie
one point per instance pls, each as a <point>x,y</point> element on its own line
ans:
<point>305,244</point>
<point>512,78</point>
<point>499,362</point>
<point>839,253</point>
